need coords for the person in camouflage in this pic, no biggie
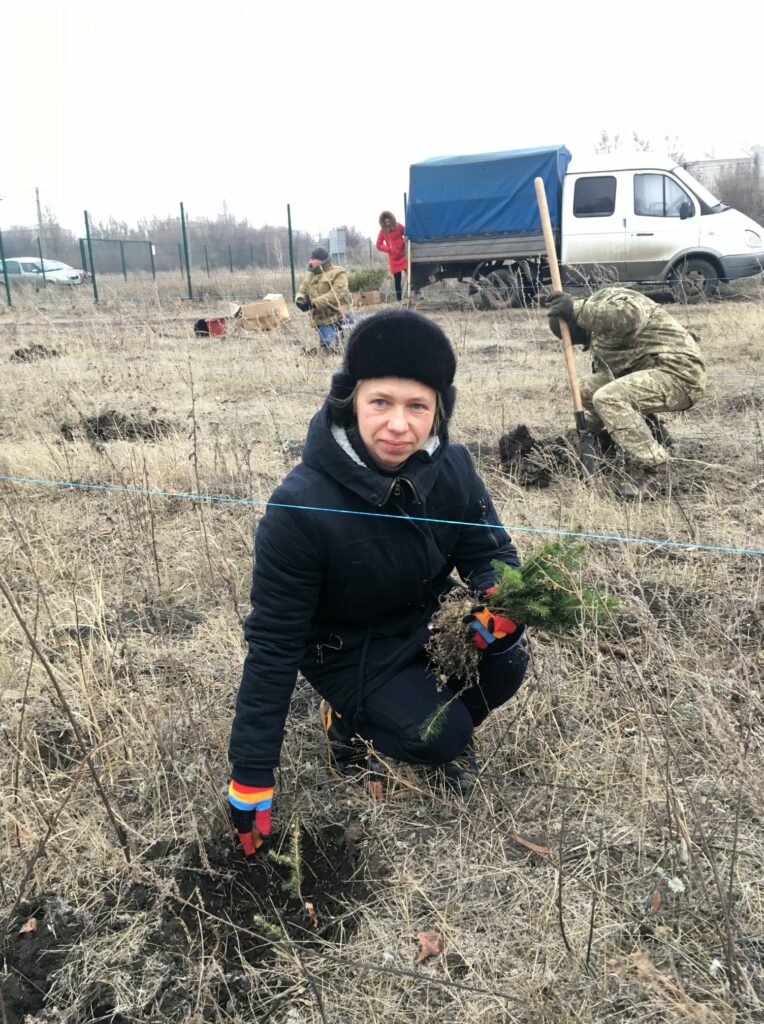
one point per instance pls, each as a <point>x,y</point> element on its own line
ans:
<point>644,362</point>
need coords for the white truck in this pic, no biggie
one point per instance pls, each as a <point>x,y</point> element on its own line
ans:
<point>631,218</point>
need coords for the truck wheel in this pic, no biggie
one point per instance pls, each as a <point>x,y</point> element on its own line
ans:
<point>693,280</point>
<point>498,289</point>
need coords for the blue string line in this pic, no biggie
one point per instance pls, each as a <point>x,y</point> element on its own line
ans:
<point>223,500</point>
<point>75,364</point>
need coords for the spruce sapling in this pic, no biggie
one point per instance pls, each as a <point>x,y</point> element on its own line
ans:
<point>293,861</point>
<point>546,592</point>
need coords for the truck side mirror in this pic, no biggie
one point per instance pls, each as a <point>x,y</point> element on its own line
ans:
<point>686,210</point>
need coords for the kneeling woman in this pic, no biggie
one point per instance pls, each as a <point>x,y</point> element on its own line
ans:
<point>351,557</point>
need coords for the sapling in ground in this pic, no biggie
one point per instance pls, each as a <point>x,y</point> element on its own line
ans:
<point>292,860</point>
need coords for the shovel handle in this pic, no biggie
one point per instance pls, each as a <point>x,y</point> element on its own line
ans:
<point>554,272</point>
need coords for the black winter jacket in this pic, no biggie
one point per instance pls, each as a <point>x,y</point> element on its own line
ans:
<point>344,587</point>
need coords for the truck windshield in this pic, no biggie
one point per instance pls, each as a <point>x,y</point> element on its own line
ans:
<point>708,202</point>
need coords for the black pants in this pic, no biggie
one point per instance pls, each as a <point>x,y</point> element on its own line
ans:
<point>398,288</point>
<point>394,715</point>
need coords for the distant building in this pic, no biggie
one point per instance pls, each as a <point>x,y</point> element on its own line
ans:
<point>710,172</point>
<point>337,244</point>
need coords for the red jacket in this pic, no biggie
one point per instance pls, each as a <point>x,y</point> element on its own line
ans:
<point>392,243</point>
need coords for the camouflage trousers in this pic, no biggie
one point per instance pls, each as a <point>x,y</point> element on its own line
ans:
<point>620,405</point>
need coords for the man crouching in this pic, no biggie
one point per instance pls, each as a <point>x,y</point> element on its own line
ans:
<point>644,363</point>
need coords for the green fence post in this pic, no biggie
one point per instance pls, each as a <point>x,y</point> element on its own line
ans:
<point>291,250</point>
<point>206,261</point>
<point>151,260</point>
<point>122,258</point>
<point>405,206</point>
<point>252,255</point>
<point>180,260</point>
<point>230,259</point>
<point>90,257</point>
<point>42,263</point>
<point>5,271</point>
<point>185,249</point>
<point>83,260</point>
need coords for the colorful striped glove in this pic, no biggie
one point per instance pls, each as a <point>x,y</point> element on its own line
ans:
<point>248,803</point>
<point>486,627</point>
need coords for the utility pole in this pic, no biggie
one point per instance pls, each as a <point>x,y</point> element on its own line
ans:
<point>40,233</point>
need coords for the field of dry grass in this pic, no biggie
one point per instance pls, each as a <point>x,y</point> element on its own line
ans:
<point>607,868</point>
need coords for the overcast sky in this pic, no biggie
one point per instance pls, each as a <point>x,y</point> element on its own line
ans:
<point>127,108</point>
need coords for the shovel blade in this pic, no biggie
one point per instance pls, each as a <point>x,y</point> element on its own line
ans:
<point>587,453</point>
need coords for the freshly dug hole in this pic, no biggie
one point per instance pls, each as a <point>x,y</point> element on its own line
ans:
<point>117,426</point>
<point>32,353</point>
<point>187,899</point>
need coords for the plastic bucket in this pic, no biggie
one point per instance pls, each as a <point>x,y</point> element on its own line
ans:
<point>216,325</point>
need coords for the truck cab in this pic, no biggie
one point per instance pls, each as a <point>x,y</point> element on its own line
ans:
<point>641,219</point>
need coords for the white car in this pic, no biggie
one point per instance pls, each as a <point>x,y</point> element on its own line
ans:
<point>28,268</point>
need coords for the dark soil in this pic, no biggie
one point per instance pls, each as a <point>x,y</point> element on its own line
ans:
<point>534,462</point>
<point>117,426</point>
<point>167,619</point>
<point>211,899</point>
<point>33,353</point>
<point>667,603</point>
<point>742,403</point>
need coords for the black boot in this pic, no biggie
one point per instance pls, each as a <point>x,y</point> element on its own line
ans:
<point>647,484</point>
<point>461,774</point>
<point>605,442</point>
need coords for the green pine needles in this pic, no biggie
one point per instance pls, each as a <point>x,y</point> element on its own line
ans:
<point>291,860</point>
<point>547,590</point>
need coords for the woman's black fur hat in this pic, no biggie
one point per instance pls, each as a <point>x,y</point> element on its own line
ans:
<point>396,343</point>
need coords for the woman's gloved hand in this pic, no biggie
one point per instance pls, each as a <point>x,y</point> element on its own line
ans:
<point>487,627</point>
<point>250,808</point>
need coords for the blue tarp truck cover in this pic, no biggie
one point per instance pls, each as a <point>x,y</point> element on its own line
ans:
<point>485,194</point>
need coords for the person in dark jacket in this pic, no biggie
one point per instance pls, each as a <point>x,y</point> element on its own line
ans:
<point>355,550</point>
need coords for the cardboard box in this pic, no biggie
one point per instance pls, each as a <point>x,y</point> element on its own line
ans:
<point>369,298</point>
<point>263,315</point>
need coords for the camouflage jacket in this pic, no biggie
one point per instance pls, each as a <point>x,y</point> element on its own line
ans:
<point>329,293</point>
<point>630,332</point>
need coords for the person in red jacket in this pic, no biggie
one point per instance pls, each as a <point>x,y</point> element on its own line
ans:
<point>390,240</point>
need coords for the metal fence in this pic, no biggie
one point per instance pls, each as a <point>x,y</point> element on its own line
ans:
<point>195,257</point>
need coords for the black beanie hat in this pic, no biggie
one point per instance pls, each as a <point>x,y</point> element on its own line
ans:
<point>396,343</point>
<point>319,253</point>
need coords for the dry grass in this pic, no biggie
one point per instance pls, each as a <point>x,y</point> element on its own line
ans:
<point>635,764</point>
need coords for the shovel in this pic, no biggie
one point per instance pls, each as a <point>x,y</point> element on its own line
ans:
<point>585,438</point>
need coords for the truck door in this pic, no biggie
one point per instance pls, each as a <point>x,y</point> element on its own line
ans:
<point>663,221</point>
<point>593,240</point>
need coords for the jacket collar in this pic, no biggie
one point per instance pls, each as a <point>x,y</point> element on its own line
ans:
<point>328,449</point>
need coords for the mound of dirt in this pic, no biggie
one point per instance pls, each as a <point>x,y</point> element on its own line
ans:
<point>117,426</point>
<point>167,619</point>
<point>534,461</point>
<point>33,353</point>
<point>187,896</point>
<point>742,403</point>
